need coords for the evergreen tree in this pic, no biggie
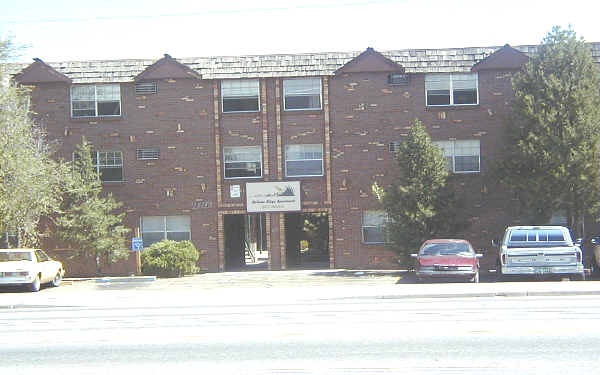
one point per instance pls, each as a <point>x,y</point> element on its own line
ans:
<point>30,180</point>
<point>421,203</point>
<point>552,164</point>
<point>88,222</point>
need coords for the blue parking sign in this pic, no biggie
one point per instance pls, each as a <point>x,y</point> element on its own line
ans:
<point>137,244</point>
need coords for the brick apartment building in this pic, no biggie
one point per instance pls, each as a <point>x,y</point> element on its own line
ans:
<point>192,145</point>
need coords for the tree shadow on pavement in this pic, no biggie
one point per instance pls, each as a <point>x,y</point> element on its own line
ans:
<point>358,274</point>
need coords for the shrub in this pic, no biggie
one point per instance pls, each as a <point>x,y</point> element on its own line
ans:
<point>170,259</point>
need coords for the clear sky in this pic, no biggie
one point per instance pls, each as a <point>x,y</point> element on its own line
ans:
<point>61,30</point>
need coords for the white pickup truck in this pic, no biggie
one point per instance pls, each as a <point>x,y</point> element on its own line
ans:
<point>539,251</point>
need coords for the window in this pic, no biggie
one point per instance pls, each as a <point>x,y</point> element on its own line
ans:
<point>144,88</point>
<point>303,160</point>
<point>147,153</point>
<point>537,235</point>
<point>302,94</point>
<point>240,95</point>
<point>158,228</point>
<point>109,165</point>
<point>41,256</point>
<point>373,227</point>
<point>461,156</point>
<point>451,89</point>
<point>243,162</point>
<point>95,100</point>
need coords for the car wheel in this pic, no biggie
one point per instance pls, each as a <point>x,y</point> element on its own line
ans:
<point>57,279</point>
<point>475,278</point>
<point>35,285</point>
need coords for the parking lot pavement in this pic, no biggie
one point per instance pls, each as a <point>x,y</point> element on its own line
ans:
<point>231,288</point>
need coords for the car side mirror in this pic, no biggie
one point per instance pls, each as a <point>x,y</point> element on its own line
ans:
<point>414,255</point>
<point>495,243</point>
<point>579,241</point>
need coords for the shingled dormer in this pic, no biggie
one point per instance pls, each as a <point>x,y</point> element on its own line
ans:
<point>370,61</point>
<point>167,67</point>
<point>40,72</point>
<point>506,58</point>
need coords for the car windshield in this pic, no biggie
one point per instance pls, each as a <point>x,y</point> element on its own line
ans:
<point>11,256</point>
<point>447,248</point>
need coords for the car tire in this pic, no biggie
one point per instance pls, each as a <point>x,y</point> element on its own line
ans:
<point>475,278</point>
<point>57,279</point>
<point>593,268</point>
<point>36,284</point>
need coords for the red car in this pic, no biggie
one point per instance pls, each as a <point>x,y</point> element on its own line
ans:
<point>447,259</point>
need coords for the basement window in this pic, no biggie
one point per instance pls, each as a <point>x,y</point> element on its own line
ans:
<point>373,227</point>
<point>96,100</point>
<point>240,95</point>
<point>158,228</point>
<point>147,153</point>
<point>145,88</point>
<point>302,94</point>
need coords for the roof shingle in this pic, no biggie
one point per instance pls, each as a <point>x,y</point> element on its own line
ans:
<point>282,65</point>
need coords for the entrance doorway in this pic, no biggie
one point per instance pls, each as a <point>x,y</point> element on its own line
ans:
<point>245,242</point>
<point>307,240</point>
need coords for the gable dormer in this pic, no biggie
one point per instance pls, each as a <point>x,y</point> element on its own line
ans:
<point>506,58</point>
<point>370,61</point>
<point>167,67</point>
<point>40,72</point>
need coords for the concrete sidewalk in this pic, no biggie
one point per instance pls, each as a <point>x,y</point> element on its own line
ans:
<point>338,284</point>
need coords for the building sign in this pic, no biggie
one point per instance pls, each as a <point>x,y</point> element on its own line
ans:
<point>234,191</point>
<point>137,244</point>
<point>273,196</point>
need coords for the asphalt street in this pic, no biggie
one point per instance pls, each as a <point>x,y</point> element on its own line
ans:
<point>190,325</point>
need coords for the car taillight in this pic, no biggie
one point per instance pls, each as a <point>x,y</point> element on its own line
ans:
<point>578,256</point>
<point>503,258</point>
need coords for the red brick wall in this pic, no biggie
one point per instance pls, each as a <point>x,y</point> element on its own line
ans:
<point>366,113</point>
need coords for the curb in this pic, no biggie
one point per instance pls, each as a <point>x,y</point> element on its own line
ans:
<point>119,279</point>
<point>478,295</point>
<point>131,279</point>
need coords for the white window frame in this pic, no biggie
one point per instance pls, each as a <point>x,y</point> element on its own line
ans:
<point>381,226</point>
<point>96,101</point>
<point>452,77</point>
<point>165,231</point>
<point>224,83</point>
<point>287,159</point>
<point>310,79</point>
<point>99,166</point>
<point>226,148</point>
<point>452,153</point>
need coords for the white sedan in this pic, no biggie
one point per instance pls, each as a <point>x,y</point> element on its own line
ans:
<point>29,267</point>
